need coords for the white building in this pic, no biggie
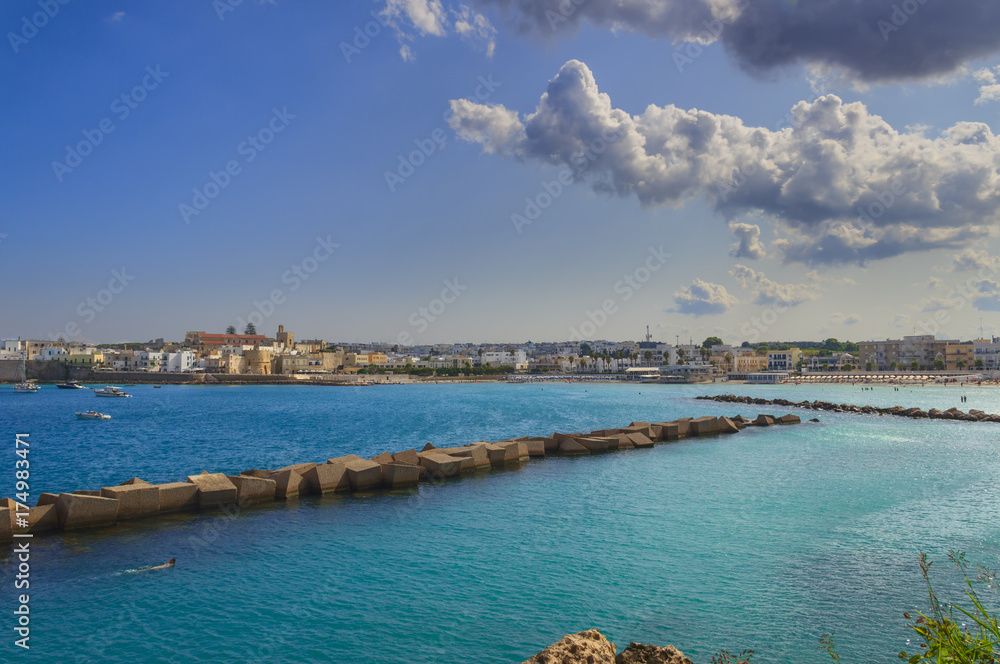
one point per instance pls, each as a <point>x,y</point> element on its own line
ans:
<point>181,361</point>
<point>988,352</point>
<point>52,353</point>
<point>502,358</point>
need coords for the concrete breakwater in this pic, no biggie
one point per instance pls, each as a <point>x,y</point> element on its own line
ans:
<point>592,647</point>
<point>137,498</point>
<point>899,411</point>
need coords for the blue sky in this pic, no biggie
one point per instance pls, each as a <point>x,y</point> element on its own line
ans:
<point>335,124</point>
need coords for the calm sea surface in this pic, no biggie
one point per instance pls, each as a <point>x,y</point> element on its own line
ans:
<point>763,540</point>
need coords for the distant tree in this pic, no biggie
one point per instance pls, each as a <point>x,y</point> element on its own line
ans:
<point>850,347</point>
<point>960,364</point>
<point>745,344</point>
<point>250,329</point>
<point>939,364</point>
<point>894,365</point>
<point>848,366</point>
<point>826,367</point>
<point>585,349</point>
<point>980,364</point>
<point>914,365</point>
<point>711,341</point>
<point>869,366</point>
<point>763,349</point>
<point>231,329</point>
<point>831,345</point>
<point>648,356</point>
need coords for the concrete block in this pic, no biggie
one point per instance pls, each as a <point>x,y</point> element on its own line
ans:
<point>251,490</point>
<point>345,459</point>
<point>87,492</point>
<point>704,426</point>
<point>428,447</point>
<point>570,447</point>
<point>134,480</point>
<point>48,498</point>
<point>6,531</point>
<point>327,477</point>
<point>639,427</point>
<point>764,420</point>
<point>177,496</point>
<point>726,425</point>
<point>213,489</point>
<point>536,447</point>
<point>552,443</point>
<point>595,444</point>
<point>82,511</point>
<point>385,457</point>
<point>500,456</point>
<point>669,430</point>
<point>683,426</point>
<point>789,419</point>
<point>288,484</point>
<point>520,449</point>
<point>639,440</point>
<point>655,433</point>
<point>300,468</point>
<point>40,519</point>
<point>478,453</point>
<point>257,473</point>
<point>407,456</point>
<point>441,464</point>
<point>397,475</point>
<point>624,442</point>
<point>135,500</point>
<point>364,474</point>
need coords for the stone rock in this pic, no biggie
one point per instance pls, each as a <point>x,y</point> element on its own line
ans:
<point>789,419</point>
<point>213,489</point>
<point>288,484</point>
<point>327,477</point>
<point>570,447</point>
<point>177,496</point>
<point>764,420</point>
<point>135,500</point>
<point>637,653</point>
<point>251,489</point>
<point>81,511</point>
<point>815,419</point>
<point>704,426</point>
<point>588,647</point>
<point>397,475</point>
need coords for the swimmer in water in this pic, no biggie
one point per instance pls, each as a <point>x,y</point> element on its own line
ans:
<point>165,565</point>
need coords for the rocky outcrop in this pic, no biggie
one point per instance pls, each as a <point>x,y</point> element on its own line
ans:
<point>591,647</point>
<point>588,647</point>
<point>899,411</point>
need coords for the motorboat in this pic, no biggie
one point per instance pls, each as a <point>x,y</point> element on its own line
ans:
<point>111,391</point>
<point>71,385</point>
<point>93,415</point>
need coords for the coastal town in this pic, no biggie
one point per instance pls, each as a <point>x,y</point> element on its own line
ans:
<point>283,357</point>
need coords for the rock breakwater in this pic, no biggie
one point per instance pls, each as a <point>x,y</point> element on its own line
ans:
<point>592,647</point>
<point>139,499</point>
<point>899,411</point>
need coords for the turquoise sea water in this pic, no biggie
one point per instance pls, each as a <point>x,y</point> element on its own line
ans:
<point>763,540</point>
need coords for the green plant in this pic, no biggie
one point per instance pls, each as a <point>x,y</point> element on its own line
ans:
<point>946,639</point>
<point>726,657</point>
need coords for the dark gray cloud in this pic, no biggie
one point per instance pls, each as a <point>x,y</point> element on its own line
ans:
<point>842,184</point>
<point>870,40</point>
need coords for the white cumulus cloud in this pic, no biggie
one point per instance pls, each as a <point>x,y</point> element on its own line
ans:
<point>843,184</point>
<point>765,291</point>
<point>702,298</point>
<point>748,244</point>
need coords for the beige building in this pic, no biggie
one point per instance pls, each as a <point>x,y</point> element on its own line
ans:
<point>956,354</point>
<point>922,349</point>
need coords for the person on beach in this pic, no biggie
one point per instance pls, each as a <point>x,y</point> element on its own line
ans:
<point>165,565</point>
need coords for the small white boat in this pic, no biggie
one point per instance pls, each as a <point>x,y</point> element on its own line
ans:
<point>111,391</point>
<point>25,388</point>
<point>93,415</point>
